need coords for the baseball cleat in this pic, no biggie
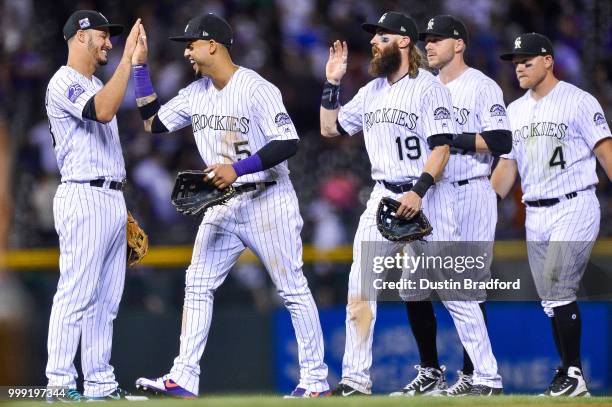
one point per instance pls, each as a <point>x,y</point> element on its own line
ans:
<point>484,390</point>
<point>461,387</point>
<point>69,396</point>
<point>163,386</point>
<point>569,384</point>
<point>118,394</point>
<point>302,393</point>
<point>429,382</point>
<point>344,390</point>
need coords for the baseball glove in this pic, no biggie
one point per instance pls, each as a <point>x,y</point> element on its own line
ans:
<point>399,229</point>
<point>193,196</point>
<point>137,241</point>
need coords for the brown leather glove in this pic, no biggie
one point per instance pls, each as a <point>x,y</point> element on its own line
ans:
<point>137,241</point>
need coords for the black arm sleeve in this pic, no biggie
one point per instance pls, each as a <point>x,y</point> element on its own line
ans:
<point>465,141</point>
<point>498,141</point>
<point>340,129</point>
<point>439,140</point>
<point>157,126</point>
<point>277,151</point>
<point>89,110</point>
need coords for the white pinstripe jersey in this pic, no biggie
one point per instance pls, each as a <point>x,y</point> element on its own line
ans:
<point>85,149</point>
<point>553,141</point>
<point>232,123</point>
<point>479,106</point>
<point>396,121</point>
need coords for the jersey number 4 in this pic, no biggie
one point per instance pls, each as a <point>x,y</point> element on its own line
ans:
<point>412,146</point>
<point>557,158</point>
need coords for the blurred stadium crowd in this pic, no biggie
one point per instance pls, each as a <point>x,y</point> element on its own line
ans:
<point>287,42</point>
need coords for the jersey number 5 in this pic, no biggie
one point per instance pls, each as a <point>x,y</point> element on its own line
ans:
<point>557,158</point>
<point>412,145</point>
<point>239,150</point>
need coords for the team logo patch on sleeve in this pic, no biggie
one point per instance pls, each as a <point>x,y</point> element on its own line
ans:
<point>282,119</point>
<point>599,119</point>
<point>74,91</point>
<point>441,113</point>
<point>497,110</point>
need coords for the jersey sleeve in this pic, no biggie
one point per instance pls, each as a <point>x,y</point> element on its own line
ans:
<point>591,122</point>
<point>176,113</point>
<point>350,115</point>
<point>70,96</point>
<point>271,115</point>
<point>491,108</point>
<point>437,111</point>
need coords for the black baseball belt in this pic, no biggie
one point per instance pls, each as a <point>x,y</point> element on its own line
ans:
<point>116,185</point>
<point>397,188</point>
<point>551,201</point>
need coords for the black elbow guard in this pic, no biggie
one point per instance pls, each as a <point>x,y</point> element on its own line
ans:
<point>498,141</point>
<point>439,140</point>
<point>157,126</point>
<point>277,151</point>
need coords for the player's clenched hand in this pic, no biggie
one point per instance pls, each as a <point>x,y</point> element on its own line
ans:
<point>130,41</point>
<point>410,205</point>
<point>336,64</point>
<point>141,51</point>
<point>220,175</point>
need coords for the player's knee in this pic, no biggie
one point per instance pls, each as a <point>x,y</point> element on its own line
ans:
<point>360,312</point>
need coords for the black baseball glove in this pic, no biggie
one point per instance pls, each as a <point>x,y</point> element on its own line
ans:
<point>400,229</point>
<point>193,196</point>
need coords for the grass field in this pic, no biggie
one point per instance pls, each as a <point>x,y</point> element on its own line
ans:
<point>376,401</point>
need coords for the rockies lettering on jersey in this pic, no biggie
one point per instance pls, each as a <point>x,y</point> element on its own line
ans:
<point>553,141</point>
<point>478,103</point>
<point>396,121</point>
<point>394,116</point>
<point>215,122</point>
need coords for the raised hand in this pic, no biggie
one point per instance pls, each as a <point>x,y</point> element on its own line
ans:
<point>336,64</point>
<point>141,51</point>
<point>131,40</point>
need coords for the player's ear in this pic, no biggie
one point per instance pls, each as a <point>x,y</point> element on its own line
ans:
<point>548,61</point>
<point>403,42</point>
<point>459,45</point>
<point>212,46</point>
<point>81,36</point>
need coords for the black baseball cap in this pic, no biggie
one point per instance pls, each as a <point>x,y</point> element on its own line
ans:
<point>530,44</point>
<point>88,19</point>
<point>395,23</point>
<point>445,26</point>
<point>207,27</point>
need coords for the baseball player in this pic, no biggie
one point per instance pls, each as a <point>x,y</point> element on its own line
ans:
<point>242,128</point>
<point>558,130</point>
<point>483,132</point>
<point>88,207</point>
<point>406,116</point>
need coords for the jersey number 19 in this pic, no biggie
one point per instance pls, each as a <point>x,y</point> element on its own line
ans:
<point>412,146</point>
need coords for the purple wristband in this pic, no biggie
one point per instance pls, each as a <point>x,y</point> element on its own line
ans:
<point>142,81</point>
<point>248,165</point>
